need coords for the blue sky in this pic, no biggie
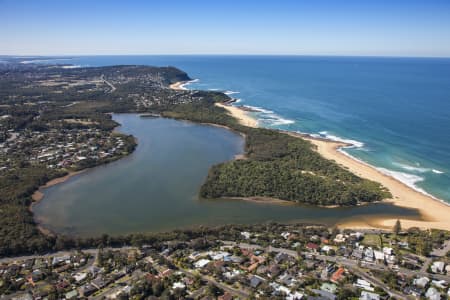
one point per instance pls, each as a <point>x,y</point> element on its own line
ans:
<point>319,27</point>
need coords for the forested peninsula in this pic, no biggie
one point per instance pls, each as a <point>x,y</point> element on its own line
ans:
<point>276,165</point>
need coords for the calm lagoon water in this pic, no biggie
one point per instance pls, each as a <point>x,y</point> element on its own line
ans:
<point>156,187</point>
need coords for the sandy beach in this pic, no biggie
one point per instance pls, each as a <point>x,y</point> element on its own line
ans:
<point>38,194</point>
<point>434,213</point>
<point>243,116</point>
<point>178,85</point>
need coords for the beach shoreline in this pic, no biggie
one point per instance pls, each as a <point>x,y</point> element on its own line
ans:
<point>178,85</point>
<point>434,212</point>
<point>241,115</point>
<point>38,195</point>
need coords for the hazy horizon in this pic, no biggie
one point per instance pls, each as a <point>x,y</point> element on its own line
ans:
<point>324,28</point>
<point>69,56</point>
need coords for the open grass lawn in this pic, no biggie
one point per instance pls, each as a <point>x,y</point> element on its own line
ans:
<point>372,240</point>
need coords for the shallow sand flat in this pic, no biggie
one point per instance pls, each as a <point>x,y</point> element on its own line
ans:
<point>38,194</point>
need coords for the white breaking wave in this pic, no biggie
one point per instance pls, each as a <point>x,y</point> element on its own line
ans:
<point>230,92</point>
<point>184,85</point>
<point>71,67</point>
<point>213,89</point>
<point>353,143</point>
<point>409,180</point>
<point>42,60</point>
<point>259,109</point>
<point>417,169</point>
<point>411,168</point>
<point>269,117</point>
<point>437,171</point>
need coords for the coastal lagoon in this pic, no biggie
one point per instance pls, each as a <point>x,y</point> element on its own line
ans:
<point>396,111</point>
<point>156,187</point>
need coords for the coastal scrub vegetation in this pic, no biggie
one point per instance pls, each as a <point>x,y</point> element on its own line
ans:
<point>18,231</point>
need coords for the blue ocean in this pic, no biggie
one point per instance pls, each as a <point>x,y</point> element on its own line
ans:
<point>395,111</point>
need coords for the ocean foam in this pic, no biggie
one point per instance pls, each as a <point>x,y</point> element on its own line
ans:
<point>416,169</point>
<point>32,61</point>
<point>353,143</point>
<point>184,85</point>
<point>259,109</point>
<point>341,150</point>
<point>71,67</point>
<point>409,180</point>
<point>411,168</point>
<point>230,93</point>
<point>269,117</point>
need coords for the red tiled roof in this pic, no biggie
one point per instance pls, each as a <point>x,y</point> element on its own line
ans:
<point>312,246</point>
<point>337,275</point>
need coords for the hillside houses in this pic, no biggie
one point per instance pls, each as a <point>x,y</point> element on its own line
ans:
<point>262,266</point>
<point>66,148</point>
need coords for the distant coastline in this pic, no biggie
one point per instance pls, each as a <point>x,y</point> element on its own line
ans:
<point>434,211</point>
<point>180,85</point>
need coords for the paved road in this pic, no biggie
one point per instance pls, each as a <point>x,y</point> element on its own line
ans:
<point>425,265</point>
<point>345,261</point>
<point>113,88</point>
<point>349,263</point>
<point>443,251</point>
<point>282,250</point>
<point>52,254</point>
<point>376,282</point>
<point>92,251</point>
